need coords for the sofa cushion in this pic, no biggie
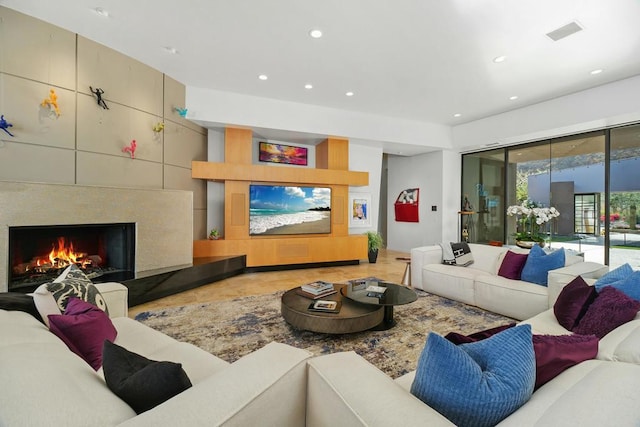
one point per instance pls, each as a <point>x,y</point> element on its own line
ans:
<point>52,297</point>
<point>45,384</point>
<point>556,353</point>
<point>611,309</point>
<point>83,328</point>
<point>573,302</point>
<point>478,383</point>
<point>613,276</point>
<point>630,285</point>
<point>622,344</point>
<point>512,265</point>
<point>141,382</point>
<point>540,263</point>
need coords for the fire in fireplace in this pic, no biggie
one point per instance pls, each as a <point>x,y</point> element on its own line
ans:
<point>38,254</point>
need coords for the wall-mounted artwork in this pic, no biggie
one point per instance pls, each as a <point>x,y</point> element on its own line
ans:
<point>359,210</point>
<point>279,153</point>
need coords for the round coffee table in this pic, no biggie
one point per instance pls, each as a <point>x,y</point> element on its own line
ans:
<point>394,295</point>
<point>353,317</point>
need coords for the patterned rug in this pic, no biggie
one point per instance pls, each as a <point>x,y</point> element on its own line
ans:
<point>231,329</point>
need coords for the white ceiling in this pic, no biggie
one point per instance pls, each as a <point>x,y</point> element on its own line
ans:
<point>416,59</point>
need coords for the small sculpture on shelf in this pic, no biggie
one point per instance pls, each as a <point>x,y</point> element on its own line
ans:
<point>181,111</point>
<point>466,204</point>
<point>98,93</point>
<point>4,125</point>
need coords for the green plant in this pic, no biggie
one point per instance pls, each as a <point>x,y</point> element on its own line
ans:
<point>374,240</point>
<point>214,233</point>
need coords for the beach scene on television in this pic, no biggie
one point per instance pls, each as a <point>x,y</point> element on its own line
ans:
<point>277,209</point>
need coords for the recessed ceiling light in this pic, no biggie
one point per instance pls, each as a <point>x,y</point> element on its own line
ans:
<point>171,50</point>
<point>598,71</point>
<point>349,93</point>
<point>499,59</point>
<point>457,115</point>
<point>316,34</point>
<point>308,86</point>
<point>513,98</point>
<point>263,77</point>
<point>100,11</point>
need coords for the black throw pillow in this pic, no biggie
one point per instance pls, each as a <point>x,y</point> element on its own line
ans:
<point>16,301</point>
<point>141,383</point>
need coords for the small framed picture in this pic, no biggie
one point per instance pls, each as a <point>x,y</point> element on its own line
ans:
<point>359,210</point>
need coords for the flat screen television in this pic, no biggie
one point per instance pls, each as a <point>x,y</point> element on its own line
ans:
<point>278,209</point>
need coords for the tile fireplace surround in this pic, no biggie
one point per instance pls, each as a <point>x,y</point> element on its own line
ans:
<point>163,218</point>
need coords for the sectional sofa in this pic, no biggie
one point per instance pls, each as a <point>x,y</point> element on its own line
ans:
<point>279,385</point>
<point>480,285</point>
<point>45,384</point>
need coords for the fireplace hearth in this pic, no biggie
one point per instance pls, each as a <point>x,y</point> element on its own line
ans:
<point>38,254</point>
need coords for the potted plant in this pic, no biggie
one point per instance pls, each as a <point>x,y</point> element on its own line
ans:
<point>530,218</point>
<point>374,242</point>
<point>214,234</point>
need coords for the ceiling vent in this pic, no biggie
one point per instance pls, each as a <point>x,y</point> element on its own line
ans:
<point>564,31</point>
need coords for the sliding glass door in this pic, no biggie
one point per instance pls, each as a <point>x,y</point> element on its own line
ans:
<point>624,197</point>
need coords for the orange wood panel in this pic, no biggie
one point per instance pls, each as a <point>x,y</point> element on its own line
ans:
<point>333,153</point>
<point>238,145</point>
<point>286,250</point>
<point>259,173</point>
<point>339,210</point>
<point>236,210</point>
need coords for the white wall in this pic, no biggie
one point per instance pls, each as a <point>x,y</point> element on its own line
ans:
<point>367,158</point>
<point>215,190</point>
<point>607,105</point>
<point>437,175</point>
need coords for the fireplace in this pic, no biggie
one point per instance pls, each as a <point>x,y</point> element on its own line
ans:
<point>38,254</point>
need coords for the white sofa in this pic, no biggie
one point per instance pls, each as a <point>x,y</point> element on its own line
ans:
<point>480,285</point>
<point>45,384</point>
<point>599,392</point>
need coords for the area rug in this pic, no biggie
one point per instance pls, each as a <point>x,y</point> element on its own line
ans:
<point>232,329</point>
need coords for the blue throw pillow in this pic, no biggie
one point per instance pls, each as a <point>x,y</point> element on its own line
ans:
<point>539,264</point>
<point>629,286</point>
<point>480,383</point>
<point>613,276</point>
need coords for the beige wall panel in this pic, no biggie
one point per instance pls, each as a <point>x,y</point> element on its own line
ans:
<point>108,131</point>
<point>174,97</point>
<point>20,101</point>
<point>200,224</point>
<point>164,218</point>
<point>37,50</point>
<point>176,178</point>
<point>182,145</point>
<point>105,170</point>
<point>26,162</point>
<point>123,79</point>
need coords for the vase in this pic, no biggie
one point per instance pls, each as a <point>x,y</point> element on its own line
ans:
<point>528,244</point>
<point>373,256</point>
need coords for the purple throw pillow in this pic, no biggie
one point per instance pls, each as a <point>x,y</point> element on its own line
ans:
<point>573,302</point>
<point>512,265</point>
<point>457,338</point>
<point>555,353</point>
<point>83,328</point>
<point>611,309</point>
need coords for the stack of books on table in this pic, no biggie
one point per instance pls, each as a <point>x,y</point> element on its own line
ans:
<point>317,289</point>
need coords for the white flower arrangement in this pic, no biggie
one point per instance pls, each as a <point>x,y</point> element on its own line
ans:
<point>530,216</point>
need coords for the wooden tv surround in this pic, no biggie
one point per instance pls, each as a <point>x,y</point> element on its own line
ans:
<point>238,172</point>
